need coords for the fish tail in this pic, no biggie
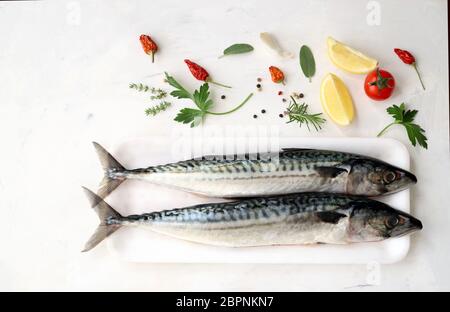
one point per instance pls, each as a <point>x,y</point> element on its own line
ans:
<point>110,165</point>
<point>106,214</point>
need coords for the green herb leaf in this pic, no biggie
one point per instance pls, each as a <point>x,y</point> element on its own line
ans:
<point>180,92</point>
<point>299,113</point>
<point>405,118</point>
<point>307,62</point>
<point>190,115</point>
<point>396,111</point>
<point>201,99</point>
<point>237,48</point>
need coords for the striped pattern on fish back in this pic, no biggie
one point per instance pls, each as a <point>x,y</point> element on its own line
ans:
<point>286,160</point>
<point>249,209</point>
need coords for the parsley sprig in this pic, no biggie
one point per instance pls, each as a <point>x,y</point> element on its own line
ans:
<point>299,113</point>
<point>405,118</point>
<point>200,97</point>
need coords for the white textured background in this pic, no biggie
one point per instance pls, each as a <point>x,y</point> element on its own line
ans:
<point>64,73</point>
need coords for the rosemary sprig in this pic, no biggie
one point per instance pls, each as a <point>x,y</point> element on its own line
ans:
<point>299,113</point>
<point>162,106</point>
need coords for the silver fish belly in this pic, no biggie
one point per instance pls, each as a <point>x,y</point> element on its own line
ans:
<point>288,230</point>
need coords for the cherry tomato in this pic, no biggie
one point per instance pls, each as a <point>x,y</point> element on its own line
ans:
<point>379,85</point>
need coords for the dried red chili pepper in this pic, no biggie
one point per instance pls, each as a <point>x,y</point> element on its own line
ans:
<point>409,59</point>
<point>149,46</point>
<point>197,71</point>
<point>405,56</point>
<point>276,74</point>
<point>201,74</point>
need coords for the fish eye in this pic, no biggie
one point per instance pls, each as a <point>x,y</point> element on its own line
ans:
<point>391,222</point>
<point>389,177</point>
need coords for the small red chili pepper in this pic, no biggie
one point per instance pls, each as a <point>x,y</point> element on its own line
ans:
<point>276,74</point>
<point>409,59</point>
<point>405,56</point>
<point>201,74</point>
<point>149,46</point>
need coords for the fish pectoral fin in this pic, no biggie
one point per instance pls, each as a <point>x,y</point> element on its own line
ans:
<point>331,172</point>
<point>330,216</point>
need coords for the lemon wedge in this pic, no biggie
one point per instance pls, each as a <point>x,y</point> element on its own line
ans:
<point>336,100</point>
<point>349,59</point>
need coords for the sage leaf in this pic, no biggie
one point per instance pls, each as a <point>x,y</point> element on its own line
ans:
<point>237,48</point>
<point>307,62</point>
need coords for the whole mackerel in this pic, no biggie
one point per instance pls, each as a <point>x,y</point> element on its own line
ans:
<point>293,170</point>
<point>307,218</point>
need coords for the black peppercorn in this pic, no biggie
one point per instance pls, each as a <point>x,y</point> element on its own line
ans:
<point>284,100</point>
<point>281,115</point>
<point>301,95</point>
<point>223,97</point>
<point>255,116</point>
<point>258,86</point>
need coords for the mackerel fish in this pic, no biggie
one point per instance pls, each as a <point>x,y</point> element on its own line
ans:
<point>294,170</point>
<point>294,219</point>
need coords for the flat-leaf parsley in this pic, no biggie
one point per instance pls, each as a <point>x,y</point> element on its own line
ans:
<point>200,97</point>
<point>405,118</point>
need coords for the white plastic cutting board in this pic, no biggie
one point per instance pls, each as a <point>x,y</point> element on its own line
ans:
<point>142,245</point>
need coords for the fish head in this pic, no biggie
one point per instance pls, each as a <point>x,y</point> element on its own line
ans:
<point>371,178</point>
<point>374,221</point>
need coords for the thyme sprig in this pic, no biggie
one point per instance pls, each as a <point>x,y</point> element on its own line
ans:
<point>157,94</point>
<point>153,110</point>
